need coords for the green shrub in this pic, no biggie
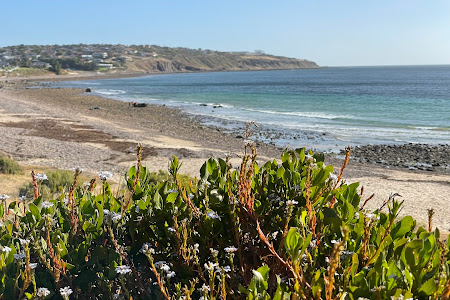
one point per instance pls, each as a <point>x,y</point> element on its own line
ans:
<point>59,178</point>
<point>155,177</point>
<point>288,230</point>
<point>9,166</point>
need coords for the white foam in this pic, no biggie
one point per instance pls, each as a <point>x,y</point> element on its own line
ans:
<point>110,92</point>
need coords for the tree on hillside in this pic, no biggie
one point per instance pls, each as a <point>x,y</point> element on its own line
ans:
<point>56,67</point>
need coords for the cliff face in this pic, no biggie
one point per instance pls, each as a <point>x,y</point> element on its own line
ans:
<point>216,62</point>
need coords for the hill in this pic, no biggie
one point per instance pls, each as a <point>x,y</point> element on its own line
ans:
<point>139,59</point>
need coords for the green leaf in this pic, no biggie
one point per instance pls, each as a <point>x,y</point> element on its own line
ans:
<point>100,215</point>
<point>293,243</point>
<point>34,211</point>
<point>428,288</point>
<point>171,197</point>
<point>259,281</point>
<point>204,172</point>
<point>280,172</point>
<point>401,228</point>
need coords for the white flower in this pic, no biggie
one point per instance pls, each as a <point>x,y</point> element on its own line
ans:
<point>46,204</point>
<point>123,269</point>
<point>147,248</point>
<point>310,157</point>
<point>227,269</point>
<point>115,217</point>
<point>213,251</point>
<point>33,265</point>
<point>371,216</point>
<point>165,268</point>
<point>24,242</point>
<point>103,175</point>
<point>106,212</point>
<point>170,229</point>
<point>171,274</point>
<point>210,266</point>
<point>196,247</point>
<point>334,241</point>
<point>4,197</point>
<point>6,249</point>
<point>78,169</point>
<point>19,256</point>
<point>204,288</point>
<point>1,224</point>
<point>248,143</point>
<point>65,291</point>
<point>332,177</point>
<point>22,198</point>
<point>158,264</point>
<point>213,215</point>
<point>41,176</point>
<point>230,249</point>
<point>42,292</point>
<point>291,202</point>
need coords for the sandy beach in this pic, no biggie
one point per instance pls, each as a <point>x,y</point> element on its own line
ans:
<point>66,128</point>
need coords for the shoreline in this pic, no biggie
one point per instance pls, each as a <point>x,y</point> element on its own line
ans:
<point>98,76</point>
<point>65,128</point>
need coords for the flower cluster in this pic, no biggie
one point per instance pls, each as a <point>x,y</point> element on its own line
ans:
<point>65,291</point>
<point>103,175</point>
<point>123,270</point>
<point>42,292</point>
<point>41,176</point>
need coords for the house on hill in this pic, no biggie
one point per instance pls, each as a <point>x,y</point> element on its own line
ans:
<point>101,55</point>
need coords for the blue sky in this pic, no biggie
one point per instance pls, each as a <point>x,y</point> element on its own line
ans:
<point>329,32</point>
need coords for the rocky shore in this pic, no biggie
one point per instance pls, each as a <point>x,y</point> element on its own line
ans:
<point>431,158</point>
<point>65,128</point>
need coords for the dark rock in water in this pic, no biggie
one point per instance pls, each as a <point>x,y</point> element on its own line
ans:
<point>88,90</point>
<point>217,106</point>
<point>203,104</point>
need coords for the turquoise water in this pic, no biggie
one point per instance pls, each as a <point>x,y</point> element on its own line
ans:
<point>322,108</point>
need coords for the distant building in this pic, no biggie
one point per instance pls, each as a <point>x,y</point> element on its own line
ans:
<point>98,60</point>
<point>9,57</point>
<point>100,55</point>
<point>105,66</point>
<point>3,64</point>
<point>125,58</point>
<point>40,64</point>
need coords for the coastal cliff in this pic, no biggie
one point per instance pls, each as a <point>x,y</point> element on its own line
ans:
<point>217,62</point>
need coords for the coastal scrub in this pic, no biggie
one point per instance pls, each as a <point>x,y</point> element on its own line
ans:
<point>287,229</point>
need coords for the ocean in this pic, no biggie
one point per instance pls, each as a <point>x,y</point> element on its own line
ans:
<point>325,109</point>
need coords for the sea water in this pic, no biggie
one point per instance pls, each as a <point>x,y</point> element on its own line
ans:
<point>326,108</point>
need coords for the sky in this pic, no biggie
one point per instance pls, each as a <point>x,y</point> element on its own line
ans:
<point>329,32</point>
